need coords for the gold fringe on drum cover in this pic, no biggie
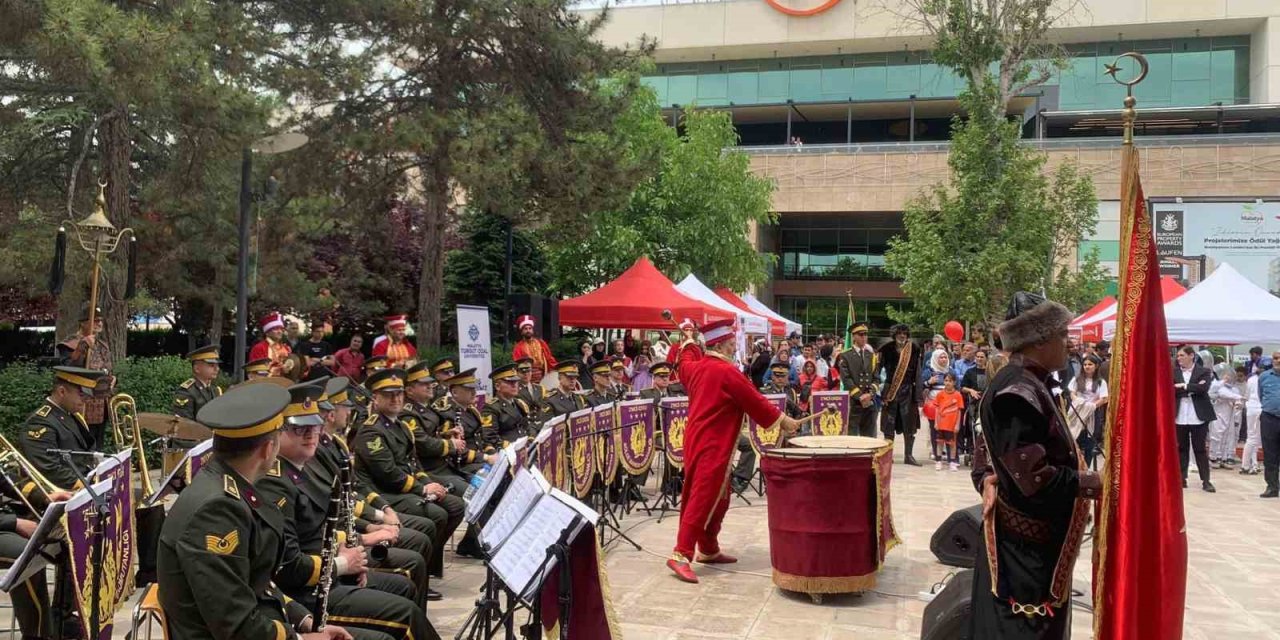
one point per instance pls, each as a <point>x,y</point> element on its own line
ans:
<point>824,584</point>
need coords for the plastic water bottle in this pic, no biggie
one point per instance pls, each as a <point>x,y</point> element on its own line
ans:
<point>477,479</point>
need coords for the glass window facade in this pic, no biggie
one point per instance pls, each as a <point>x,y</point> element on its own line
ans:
<point>1183,72</point>
<point>835,246</point>
<point>831,315</point>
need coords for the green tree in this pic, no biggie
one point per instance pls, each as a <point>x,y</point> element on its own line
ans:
<point>693,214</point>
<point>476,273</point>
<point>1004,222</point>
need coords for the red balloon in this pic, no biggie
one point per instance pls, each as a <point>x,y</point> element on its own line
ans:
<point>954,331</point>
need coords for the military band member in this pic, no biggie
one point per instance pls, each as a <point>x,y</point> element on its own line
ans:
<point>88,349</point>
<point>454,419</point>
<point>531,392</point>
<point>602,391</point>
<point>436,450</point>
<point>273,345</point>
<point>31,598</point>
<point>387,604</point>
<point>386,458</point>
<point>260,368</point>
<point>857,373</point>
<point>564,398</point>
<point>777,384</point>
<point>59,424</point>
<point>413,535</point>
<point>441,370</point>
<point>221,544</point>
<point>505,418</point>
<point>199,389</point>
<point>394,345</point>
<point>373,364</point>
<point>618,378</point>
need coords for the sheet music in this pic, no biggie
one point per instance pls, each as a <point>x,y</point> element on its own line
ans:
<point>519,560</point>
<point>171,482</point>
<point>525,489</point>
<point>487,488</point>
<point>587,513</point>
<point>34,557</point>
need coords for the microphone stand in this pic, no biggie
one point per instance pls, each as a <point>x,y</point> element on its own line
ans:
<point>99,534</point>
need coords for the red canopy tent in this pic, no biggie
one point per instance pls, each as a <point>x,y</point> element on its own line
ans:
<point>776,328</point>
<point>1077,325</point>
<point>1092,331</point>
<point>635,300</point>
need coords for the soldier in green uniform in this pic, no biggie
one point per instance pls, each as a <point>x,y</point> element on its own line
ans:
<point>413,536</point>
<point>386,602</point>
<point>856,366</point>
<point>385,456</point>
<point>531,392</point>
<point>564,398</point>
<point>441,370</point>
<point>199,389</point>
<point>435,450</point>
<point>602,391</point>
<point>260,368</point>
<point>221,544</point>
<point>778,373</point>
<point>456,414</point>
<point>31,598</point>
<point>505,418</point>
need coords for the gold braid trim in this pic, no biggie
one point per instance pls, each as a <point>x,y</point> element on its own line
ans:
<point>832,584</point>
<point>606,595</point>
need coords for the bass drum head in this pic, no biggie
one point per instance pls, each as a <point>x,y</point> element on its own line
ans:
<point>803,452</point>
<point>839,442</point>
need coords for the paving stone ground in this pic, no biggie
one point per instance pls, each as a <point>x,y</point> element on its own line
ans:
<point>1233,585</point>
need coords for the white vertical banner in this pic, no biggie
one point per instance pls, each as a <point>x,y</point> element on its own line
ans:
<point>474,347</point>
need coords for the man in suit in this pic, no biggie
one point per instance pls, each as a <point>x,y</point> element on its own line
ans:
<point>1194,411</point>
<point>857,373</point>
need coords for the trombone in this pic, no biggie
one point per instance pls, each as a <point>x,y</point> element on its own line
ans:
<point>11,457</point>
<point>124,426</point>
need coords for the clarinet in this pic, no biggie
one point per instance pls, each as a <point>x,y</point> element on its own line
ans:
<point>328,558</point>
<point>348,511</point>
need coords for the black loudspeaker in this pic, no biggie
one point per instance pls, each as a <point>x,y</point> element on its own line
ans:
<point>946,617</point>
<point>551,319</point>
<point>956,540</point>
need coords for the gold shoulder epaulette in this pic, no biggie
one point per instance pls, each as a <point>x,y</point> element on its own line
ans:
<point>274,471</point>
<point>43,410</point>
<point>188,383</point>
<point>229,485</point>
<point>372,419</point>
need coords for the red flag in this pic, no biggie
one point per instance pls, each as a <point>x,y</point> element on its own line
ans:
<point>1140,546</point>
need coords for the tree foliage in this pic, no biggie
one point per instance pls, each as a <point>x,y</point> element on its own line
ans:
<point>475,273</point>
<point>995,229</point>
<point>692,214</point>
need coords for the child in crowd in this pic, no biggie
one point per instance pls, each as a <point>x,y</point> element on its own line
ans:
<point>950,407</point>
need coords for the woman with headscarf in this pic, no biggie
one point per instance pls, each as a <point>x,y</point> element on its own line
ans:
<point>933,381</point>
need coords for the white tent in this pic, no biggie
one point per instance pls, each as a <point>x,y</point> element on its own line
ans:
<point>1225,308</point>
<point>762,309</point>
<point>751,323</point>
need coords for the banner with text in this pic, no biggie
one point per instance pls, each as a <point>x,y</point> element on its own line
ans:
<point>830,424</point>
<point>473,343</point>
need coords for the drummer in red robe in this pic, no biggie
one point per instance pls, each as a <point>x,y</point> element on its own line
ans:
<point>719,395</point>
<point>272,346</point>
<point>534,348</point>
<point>399,351</point>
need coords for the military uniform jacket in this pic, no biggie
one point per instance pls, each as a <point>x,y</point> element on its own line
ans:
<point>433,452</point>
<point>533,395</point>
<point>191,395</point>
<point>323,469</point>
<point>50,427</point>
<point>857,369</point>
<point>304,503</point>
<point>559,403</point>
<point>447,415</point>
<point>503,421</point>
<point>219,548</point>
<point>793,399</point>
<point>385,456</point>
<point>596,397</point>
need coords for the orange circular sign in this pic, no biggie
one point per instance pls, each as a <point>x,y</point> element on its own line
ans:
<point>779,5</point>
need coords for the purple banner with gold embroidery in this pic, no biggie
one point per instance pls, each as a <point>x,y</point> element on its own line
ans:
<point>675,415</point>
<point>550,453</point>
<point>582,451</point>
<point>113,481</point>
<point>762,437</point>
<point>634,438</point>
<point>606,453</point>
<point>830,424</point>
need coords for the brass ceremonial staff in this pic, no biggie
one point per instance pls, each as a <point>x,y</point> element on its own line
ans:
<point>99,238</point>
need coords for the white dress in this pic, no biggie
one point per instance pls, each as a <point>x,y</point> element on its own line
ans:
<point>1084,404</point>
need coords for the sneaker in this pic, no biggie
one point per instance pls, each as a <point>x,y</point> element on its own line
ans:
<point>955,466</point>
<point>937,465</point>
<point>1245,472</point>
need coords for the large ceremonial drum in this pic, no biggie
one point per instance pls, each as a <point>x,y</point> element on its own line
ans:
<point>830,523</point>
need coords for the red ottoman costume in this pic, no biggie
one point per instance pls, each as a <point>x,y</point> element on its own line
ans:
<point>719,395</point>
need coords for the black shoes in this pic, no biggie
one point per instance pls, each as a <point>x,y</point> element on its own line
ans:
<point>1208,487</point>
<point>1270,493</point>
<point>433,595</point>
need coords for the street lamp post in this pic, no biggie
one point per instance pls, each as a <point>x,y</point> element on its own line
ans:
<point>269,145</point>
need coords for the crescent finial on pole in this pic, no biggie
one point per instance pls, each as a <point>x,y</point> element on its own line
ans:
<point>1130,114</point>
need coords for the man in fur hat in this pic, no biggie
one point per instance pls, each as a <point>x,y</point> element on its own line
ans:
<point>1036,491</point>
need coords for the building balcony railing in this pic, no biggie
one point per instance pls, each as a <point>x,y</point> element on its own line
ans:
<point>851,272</point>
<point>1043,144</point>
